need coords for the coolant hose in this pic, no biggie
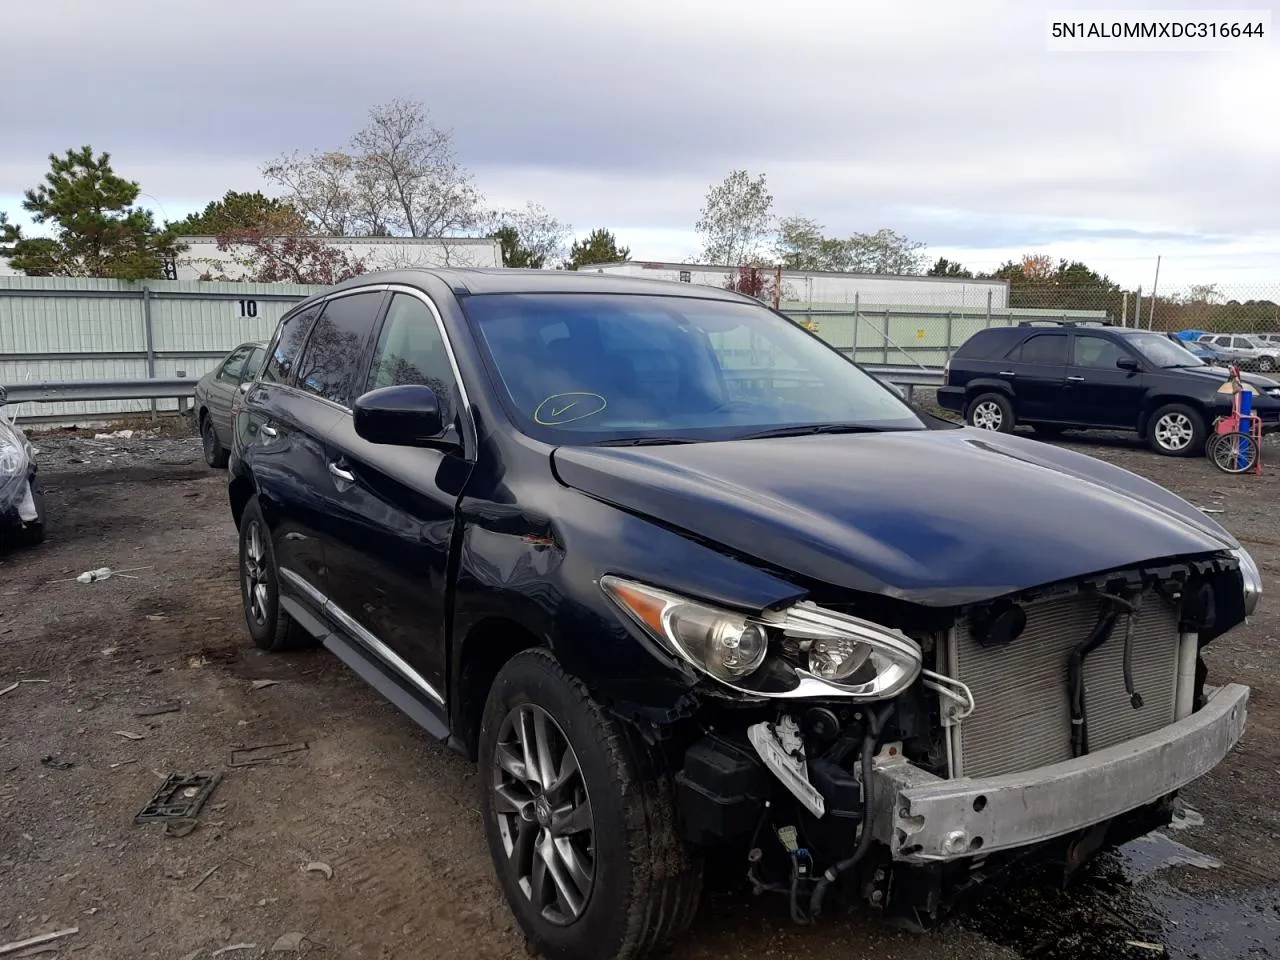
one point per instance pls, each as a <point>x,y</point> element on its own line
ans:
<point>875,723</point>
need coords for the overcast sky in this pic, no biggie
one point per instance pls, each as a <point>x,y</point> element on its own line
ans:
<point>946,120</point>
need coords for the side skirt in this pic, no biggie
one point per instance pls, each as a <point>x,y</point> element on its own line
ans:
<point>372,672</point>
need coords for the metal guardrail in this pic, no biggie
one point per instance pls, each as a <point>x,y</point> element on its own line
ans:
<point>59,391</point>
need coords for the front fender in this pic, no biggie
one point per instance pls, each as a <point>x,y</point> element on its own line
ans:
<point>541,569</point>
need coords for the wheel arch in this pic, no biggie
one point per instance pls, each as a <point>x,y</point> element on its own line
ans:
<point>1156,401</point>
<point>487,646</point>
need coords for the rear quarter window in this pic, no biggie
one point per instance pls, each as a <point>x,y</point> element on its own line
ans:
<point>287,345</point>
<point>987,345</point>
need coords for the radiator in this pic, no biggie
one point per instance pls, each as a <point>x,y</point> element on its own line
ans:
<point>1022,718</point>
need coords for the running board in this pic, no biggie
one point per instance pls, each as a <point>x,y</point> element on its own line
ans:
<point>367,669</point>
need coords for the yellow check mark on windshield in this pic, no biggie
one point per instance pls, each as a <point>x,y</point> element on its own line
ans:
<point>567,406</point>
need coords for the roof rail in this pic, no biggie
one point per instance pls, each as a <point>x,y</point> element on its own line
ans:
<point>1066,323</point>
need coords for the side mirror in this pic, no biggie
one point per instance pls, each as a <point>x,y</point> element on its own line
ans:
<point>403,416</point>
<point>1127,363</point>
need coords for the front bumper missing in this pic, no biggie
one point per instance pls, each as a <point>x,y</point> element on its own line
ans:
<point>925,819</point>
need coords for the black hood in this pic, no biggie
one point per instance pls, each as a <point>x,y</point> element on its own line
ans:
<point>933,517</point>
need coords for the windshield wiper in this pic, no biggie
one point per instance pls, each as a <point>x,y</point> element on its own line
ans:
<point>810,428</point>
<point>643,441</point>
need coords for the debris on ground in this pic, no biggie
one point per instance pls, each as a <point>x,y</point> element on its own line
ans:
<point>102,573</point>
<point>317,866</point>
<point>180,797</point>
<point>207,874</point>
<point>169,706</point>
<point>267,753</point>
<point>233,947</point>
<point>35,941</point>
<point>17,683</point>
<point>53,763</point>
<point>130,736</point>
<point>259,684</point>
<point>288,943</point>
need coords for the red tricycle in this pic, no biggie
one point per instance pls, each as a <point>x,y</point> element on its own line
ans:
<point>1235,446</point>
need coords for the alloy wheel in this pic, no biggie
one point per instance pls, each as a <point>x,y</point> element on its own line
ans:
<point>256,580</point>
<point>988,416</point>
<point>1174,431</point>
<point>544,814</point>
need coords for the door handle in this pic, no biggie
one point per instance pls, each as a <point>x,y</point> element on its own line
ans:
<point>346,476</point>
<point>269,432</point>
<point>1007,373</point>
<point>1075,379</point>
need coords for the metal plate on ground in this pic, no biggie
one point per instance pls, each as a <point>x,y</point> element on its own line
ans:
<point>180,797</point>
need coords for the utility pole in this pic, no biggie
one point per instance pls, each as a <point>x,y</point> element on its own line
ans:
<point>1151,314</point>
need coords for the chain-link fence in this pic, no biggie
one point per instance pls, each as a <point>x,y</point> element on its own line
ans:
<point>1212,308</point>
<point>926,334</point>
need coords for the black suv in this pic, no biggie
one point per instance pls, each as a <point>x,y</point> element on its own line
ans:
<point>1094,377</point>
<point>687,582</point>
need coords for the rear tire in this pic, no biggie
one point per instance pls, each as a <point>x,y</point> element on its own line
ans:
<point>215,454</point>
<point>271,628</point>
<point>600,815</point>
<point>1266,364</point>
<point>1176,430</point>
<point>990,411</point>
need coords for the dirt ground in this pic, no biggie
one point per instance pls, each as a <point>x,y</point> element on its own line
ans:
<point>368,842</point>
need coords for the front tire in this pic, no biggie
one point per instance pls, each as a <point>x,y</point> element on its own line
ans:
<point>580,818</point>
<point>991,411</point>
<point>1176,430</point>
<point>271,628</point>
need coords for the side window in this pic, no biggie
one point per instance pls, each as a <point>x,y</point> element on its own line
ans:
<point>410,350</point>
<point>234,366</point>
<point>1097,352</point>
<point>1240,343</point>
<point>288,344</point>
<point>253,364</point>
<point>336,345</point>
<point>1049,348</point>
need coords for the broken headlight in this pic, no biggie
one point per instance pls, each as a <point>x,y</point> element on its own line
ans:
<point>802,651</point>
<point>1252,580</point>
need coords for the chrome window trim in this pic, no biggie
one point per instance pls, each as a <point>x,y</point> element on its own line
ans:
<point>361,635</point>
<point>470,437</point>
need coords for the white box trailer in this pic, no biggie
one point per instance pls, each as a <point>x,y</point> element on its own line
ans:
<point>815,288</point>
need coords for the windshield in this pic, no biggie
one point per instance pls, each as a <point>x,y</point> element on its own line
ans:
<point>590,368</point>
<point>1162,351</point>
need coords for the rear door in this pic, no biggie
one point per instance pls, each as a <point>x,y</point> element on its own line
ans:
<point>222,390</point>
<point>1039,373</point>
<point>394,507</point>
<point>1097,391</point>
<point>281,443</point>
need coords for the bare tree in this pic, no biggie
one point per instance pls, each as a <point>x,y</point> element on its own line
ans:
<point>530,237</point>
<point>399,176</point>
<point>736,220</point>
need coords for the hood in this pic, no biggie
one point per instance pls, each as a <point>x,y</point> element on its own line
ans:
<point>1220,374</point>
<point>937,517</point>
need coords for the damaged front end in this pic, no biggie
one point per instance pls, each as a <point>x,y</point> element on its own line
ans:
<point>913,753</point>
<point>20,515</point>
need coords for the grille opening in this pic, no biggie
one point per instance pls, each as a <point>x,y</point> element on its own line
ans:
<point>1023,716</point>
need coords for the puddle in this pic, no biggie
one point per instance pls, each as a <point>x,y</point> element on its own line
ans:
<point>1126,907</point>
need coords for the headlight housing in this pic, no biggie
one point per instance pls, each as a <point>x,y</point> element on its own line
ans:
<point>802,651</point>
<point>1252,580</point>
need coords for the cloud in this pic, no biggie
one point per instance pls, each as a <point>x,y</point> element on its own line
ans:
<point>948,121</point>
